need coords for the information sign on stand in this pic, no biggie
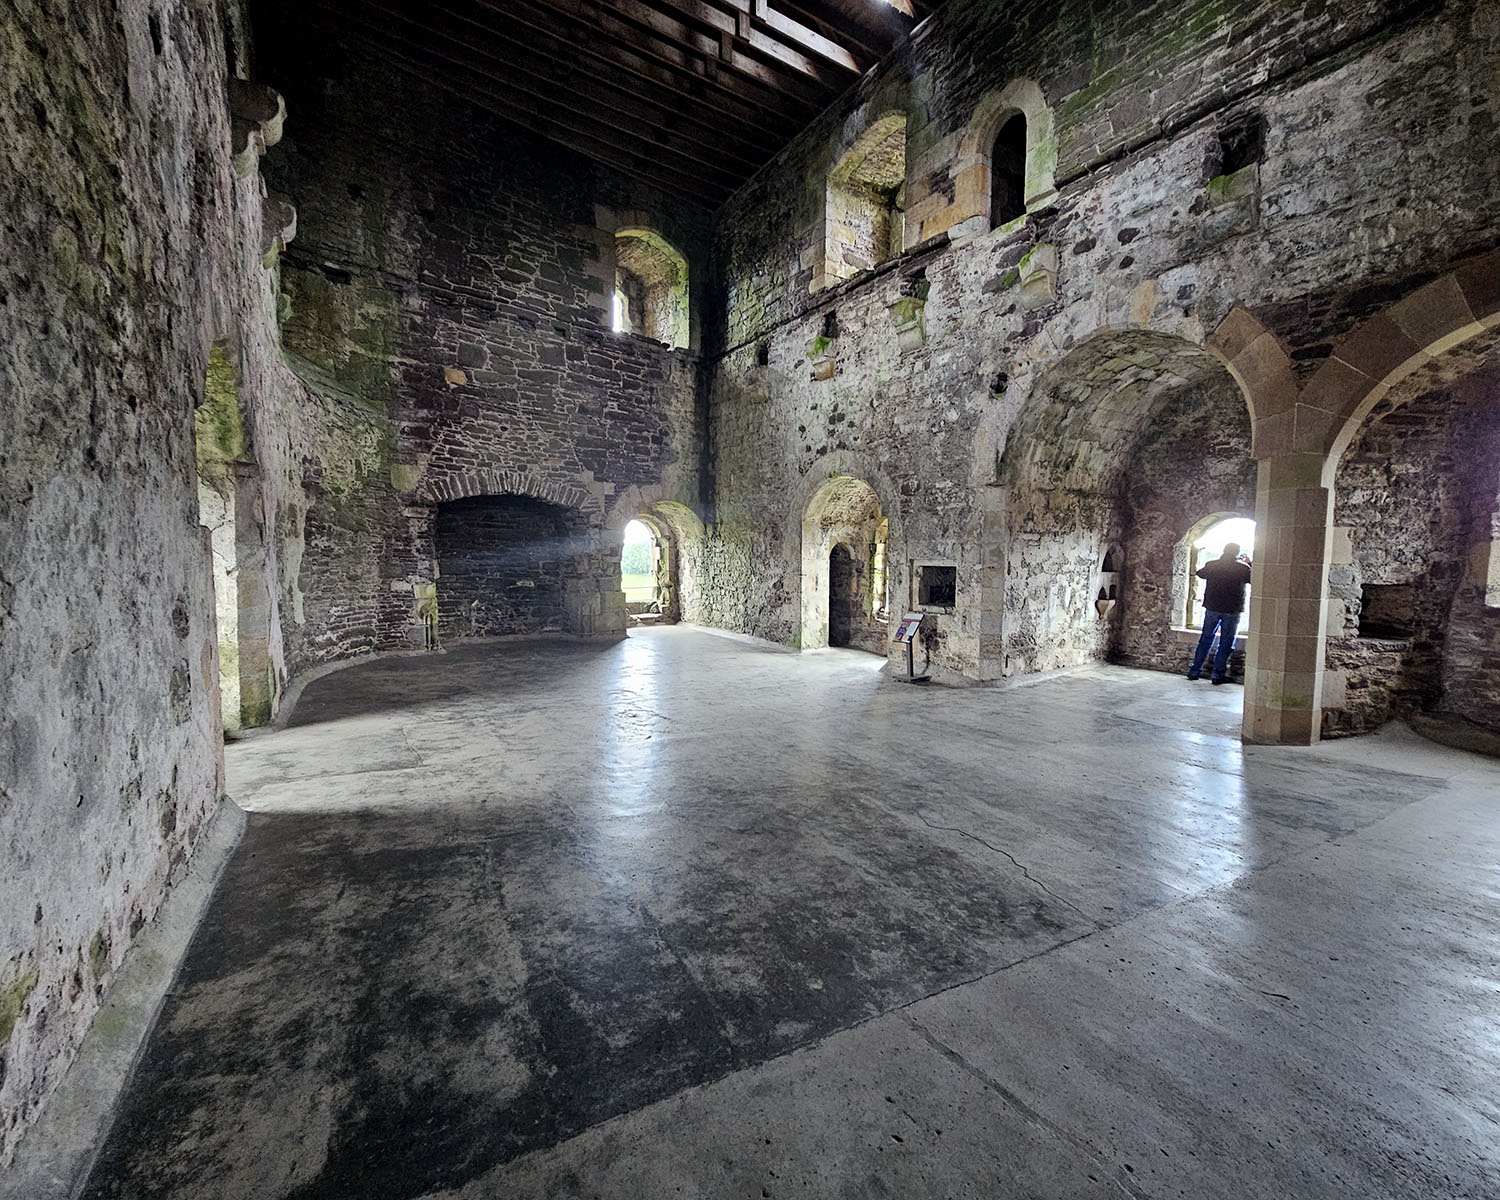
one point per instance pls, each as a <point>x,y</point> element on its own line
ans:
<point>906,634</point>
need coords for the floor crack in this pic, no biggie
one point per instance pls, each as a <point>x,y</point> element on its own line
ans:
<point>1020,866</point>
<point>1011,1098</point>
<point>406,737</point>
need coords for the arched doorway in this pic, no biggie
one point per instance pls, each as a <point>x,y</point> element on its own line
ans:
<point>649,571</point>
<point>1116,447</point>
<point>845,573</point>
<point>657,548</point>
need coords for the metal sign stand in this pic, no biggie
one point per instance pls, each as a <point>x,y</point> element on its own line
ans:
<point>906,632</point>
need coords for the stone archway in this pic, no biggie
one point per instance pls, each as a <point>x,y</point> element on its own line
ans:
<point>843,511</point>
<point>1058,511</point>
<point>680,539</point>
<point>1299,438</point>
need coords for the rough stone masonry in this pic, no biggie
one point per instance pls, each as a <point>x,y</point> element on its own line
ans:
<point>263,334</point>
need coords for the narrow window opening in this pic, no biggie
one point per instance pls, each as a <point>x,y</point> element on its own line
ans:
<point>1207,547</point>
<point>879,571</point>
<point>1242,144</point>
<point>1008,172</point>
<point>865,203</point>
<point>651,288</point>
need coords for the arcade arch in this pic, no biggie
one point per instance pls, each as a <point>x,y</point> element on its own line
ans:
<point>845,578</point>
<point>1117,447</point>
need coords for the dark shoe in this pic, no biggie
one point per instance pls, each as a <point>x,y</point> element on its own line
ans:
<point>1193,675</point>
<point>1218,679</point>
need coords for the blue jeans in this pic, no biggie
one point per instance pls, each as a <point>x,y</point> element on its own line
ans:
<point>1226,624</point>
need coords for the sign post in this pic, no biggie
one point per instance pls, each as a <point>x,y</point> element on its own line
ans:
<point>906,633</point>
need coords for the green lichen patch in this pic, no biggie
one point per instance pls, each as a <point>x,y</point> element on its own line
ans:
<point>12,998</point>
<point>256,702</point>
<point>99,948</point>
<point>405,476</point>
<point>1227,189</point>
<point>907,309</point>
<point>218,426</point>
<point>341,329</point>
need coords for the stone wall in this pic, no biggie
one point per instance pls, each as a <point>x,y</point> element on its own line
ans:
<point>453,275</point>
<point>131,247</point>
<point>1370,169</point>
<point>1414,495</point>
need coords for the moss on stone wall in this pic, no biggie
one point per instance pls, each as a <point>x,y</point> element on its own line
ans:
<point>12,997</point>
<point>344,329</point>
<point>99,947</point>
<point>218,425</point>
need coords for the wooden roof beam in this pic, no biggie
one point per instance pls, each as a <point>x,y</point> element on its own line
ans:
<point>711,143</point>
<point>790,33</point>
<point>621,38</point>
<point>750,120</point>
<point>675,30</point>
<point>802,35</point>
<point>646,163</point>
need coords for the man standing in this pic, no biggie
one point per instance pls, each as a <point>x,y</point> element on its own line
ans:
<point>1223,601</point>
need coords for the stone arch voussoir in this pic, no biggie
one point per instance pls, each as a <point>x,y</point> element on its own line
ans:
<point>1389,346</point>
<point>495,481</point>
<point>1255,358</point>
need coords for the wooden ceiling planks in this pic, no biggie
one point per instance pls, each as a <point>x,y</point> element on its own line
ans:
<point>693,96</point>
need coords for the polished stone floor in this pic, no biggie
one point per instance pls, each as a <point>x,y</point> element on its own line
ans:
<point>692,916</point>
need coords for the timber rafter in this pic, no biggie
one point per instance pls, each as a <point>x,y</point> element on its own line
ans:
<point>691,95</point>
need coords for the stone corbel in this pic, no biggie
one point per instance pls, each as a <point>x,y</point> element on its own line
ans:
<point>906,314</point>
<point>822,351</point>
<point>256,113</point>
<point>278,226</point>
<point>1038,276</point>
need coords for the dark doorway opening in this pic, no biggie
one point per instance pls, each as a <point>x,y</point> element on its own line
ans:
<point>843,596</point>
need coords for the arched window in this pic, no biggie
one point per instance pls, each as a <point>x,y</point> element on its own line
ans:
<point>651,287</point>
<point>1204,543</point>
<point>864,219</point>
<point>1008,172</point>
<point>879,571</point>
<point>638,560</point>
<point>1006,165</point>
